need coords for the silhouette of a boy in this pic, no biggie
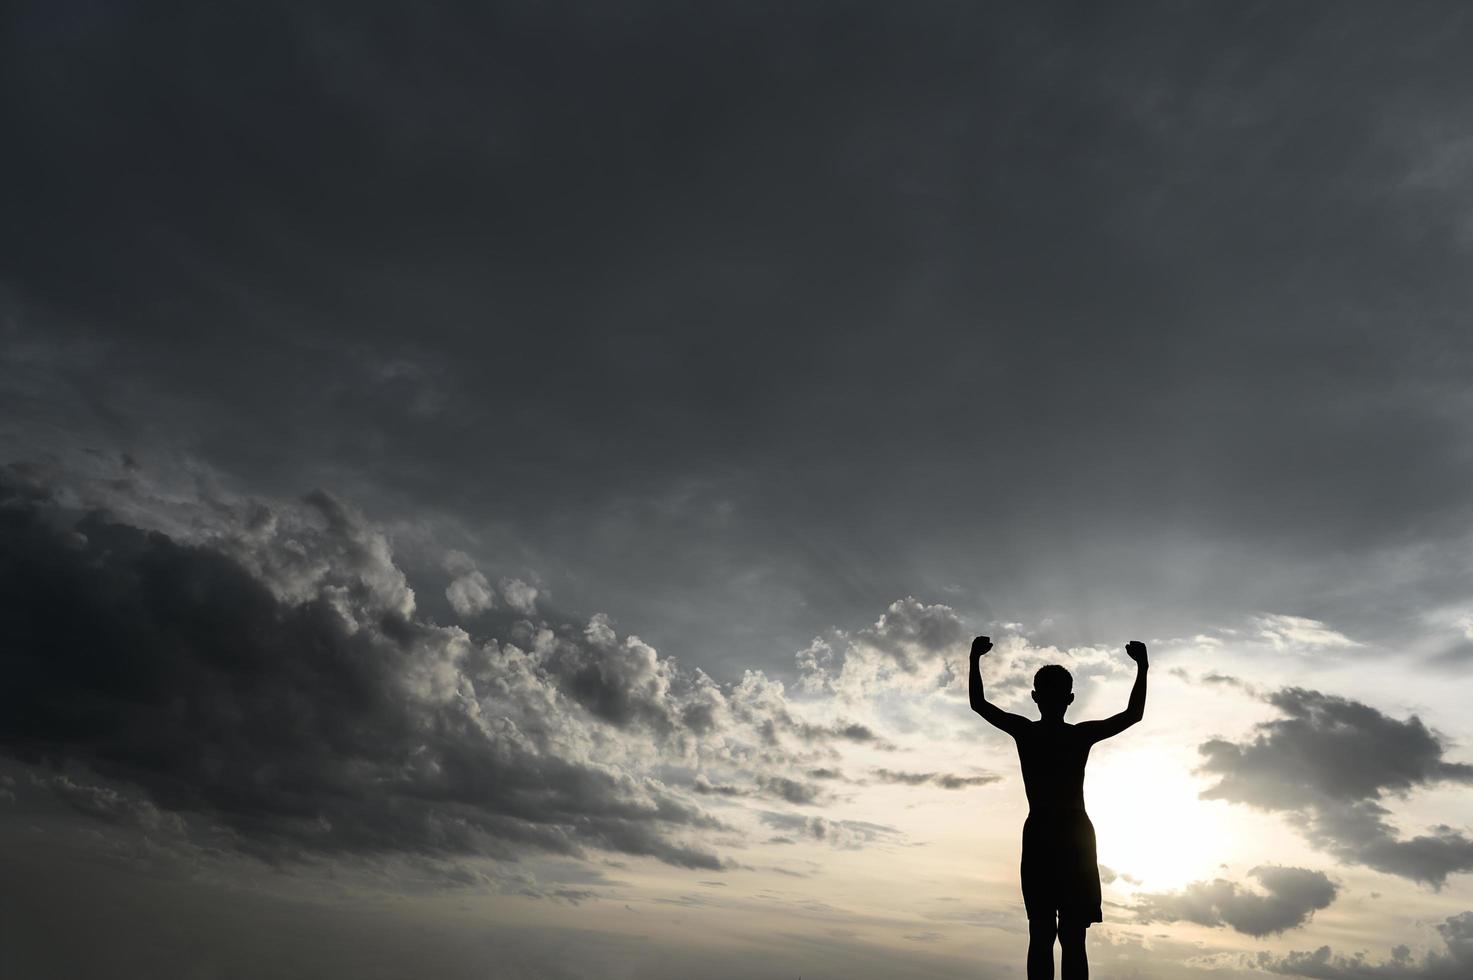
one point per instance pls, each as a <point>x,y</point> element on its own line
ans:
<point>1061,879</point>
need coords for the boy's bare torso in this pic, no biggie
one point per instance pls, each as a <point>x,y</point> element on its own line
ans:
<point>1053,756</point>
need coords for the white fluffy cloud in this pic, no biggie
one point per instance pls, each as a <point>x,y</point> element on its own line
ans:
<point>469,593</point>
<point>519,595</point>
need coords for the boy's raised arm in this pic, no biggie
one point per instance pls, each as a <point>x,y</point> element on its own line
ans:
<point>1135,709</point>
<point>1005,720</point>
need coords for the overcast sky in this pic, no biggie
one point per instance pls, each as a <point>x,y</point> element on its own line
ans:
<point>516,481</point>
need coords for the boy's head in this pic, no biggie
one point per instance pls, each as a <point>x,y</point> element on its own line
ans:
<point>1053,690</point>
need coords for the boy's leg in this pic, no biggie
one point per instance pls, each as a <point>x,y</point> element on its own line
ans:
<point>1072,962</point>
<point>1041,934</point>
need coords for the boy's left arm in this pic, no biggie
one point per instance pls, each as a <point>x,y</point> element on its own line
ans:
<point>1134,711</point>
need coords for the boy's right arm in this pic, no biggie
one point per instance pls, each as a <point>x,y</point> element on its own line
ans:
<point>1007,721</point>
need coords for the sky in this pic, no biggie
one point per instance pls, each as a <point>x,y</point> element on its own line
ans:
<point>506,489</point>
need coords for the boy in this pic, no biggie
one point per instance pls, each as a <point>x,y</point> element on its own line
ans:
<point>1061,879</point>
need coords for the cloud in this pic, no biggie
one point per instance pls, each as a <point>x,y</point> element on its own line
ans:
<point>261,669</point>
<point>273,678</point>
<point>911,631</point>
<point>762,704</point>
<point>1333,760</point>
<point>705,787</point>
<point>349,380</point>
<point>1453,962</point>
<point>623,681</point>
<point>1289,632</point>
<point>941,779</point>
<point>469,593</point>
<point>1289,897</point>
<point>1361,834</point>
<point>778,787</point>
<point>905,647</point>
<point>791,790</point>
<point>520,596</point>
<point>844,834</point>
<point>109,804</point>
<point>1327,747</point>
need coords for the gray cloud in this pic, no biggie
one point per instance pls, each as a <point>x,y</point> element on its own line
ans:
<point>469,593</point>
<point>941,779</point>
<point>623,681</point>
<point>569,368</point>
<point>109,804</point>
<point>314,714</point>
<point>520,596</point>
<point>705,787</point>
<point>778,787</point>
<point>1453,962</point>
<point>908,644</point>
<point>1360,833</point>
<point>849,731</point>
<point>1287,900</point>
<point>792,790</point>
<point>762,703</point>
<point>845,834</point>
<point>1333,760</point>
<point>911,630</point>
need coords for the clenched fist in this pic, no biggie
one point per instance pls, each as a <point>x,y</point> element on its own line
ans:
<point>981,645</point>
<point>1136,650</point>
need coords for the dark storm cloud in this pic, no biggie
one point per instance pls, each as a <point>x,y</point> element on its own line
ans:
<point>623,682</point>
<point>850,302</point>
<point>1333,760</point>
<point>109,804</point>
<point>1289,897</point>
<point>334,724</point>
<point>1453,962</point>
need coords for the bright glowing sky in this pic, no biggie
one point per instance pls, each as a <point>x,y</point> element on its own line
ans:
<point>507,489</point>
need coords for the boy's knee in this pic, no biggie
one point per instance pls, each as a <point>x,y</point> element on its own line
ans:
<point>1043,928</point>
